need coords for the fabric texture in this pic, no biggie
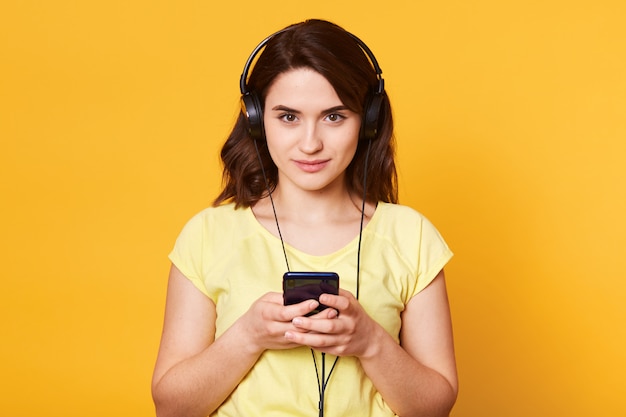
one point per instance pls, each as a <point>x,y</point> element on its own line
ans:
<point>231,258</point>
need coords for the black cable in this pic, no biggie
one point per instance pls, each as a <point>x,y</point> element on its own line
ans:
<point>269,192</point>
<point>323,381</point>
<point>358,252</point>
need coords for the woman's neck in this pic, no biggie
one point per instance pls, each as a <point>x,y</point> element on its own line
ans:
<point>316,206</point>
<point>317,223</point>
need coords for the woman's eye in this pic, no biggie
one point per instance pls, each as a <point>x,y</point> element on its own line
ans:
<point>288,117</point>
<point>335,117</point>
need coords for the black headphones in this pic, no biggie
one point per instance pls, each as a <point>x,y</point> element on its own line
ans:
<point>252,108</point>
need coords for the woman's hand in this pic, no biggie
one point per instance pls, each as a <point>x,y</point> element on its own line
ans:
<point>267,321</point>
<point>343,329</point>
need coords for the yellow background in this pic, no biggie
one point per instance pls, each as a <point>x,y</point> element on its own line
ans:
<point>511,131</point>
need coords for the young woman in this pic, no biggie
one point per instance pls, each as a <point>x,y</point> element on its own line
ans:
<point>309,185</point>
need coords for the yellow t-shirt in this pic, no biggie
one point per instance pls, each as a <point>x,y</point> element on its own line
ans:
<point>233,259</point>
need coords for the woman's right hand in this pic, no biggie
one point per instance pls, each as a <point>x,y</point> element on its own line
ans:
<point>267,320</point>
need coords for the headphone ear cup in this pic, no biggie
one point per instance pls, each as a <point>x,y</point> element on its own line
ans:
<point>253,111</point>
<point>371,116</point>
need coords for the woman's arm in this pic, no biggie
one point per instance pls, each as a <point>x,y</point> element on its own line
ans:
<point>417,377</point>
<point>194,372</point>
<point>193,375</point>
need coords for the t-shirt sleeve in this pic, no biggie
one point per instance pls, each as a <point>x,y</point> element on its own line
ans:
<point>187,254</point>
<point>433,255</point>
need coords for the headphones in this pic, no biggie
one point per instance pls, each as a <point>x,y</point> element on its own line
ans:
<point>252,108</point>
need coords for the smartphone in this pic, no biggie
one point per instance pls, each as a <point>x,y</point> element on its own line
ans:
<point>302,286</point>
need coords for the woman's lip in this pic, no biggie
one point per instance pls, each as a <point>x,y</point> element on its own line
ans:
<point>311,166</point>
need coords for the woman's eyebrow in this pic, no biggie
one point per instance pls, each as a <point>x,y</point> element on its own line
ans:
<point>280,107</point>
<point>333,109</point>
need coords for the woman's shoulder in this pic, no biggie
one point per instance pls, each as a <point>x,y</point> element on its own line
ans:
<point>400,219</point>
<point>409,231</point>
<point>223,212</point>
<point>217,217</point>
<point>398,212</point>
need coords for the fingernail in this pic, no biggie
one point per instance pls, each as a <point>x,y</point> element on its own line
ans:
<point>288,335</point>
<point>297,321</point>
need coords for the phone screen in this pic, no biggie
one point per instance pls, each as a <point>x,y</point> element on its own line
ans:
<point>302,286</point>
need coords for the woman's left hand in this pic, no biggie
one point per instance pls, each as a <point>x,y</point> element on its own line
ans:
<point>343,329</point>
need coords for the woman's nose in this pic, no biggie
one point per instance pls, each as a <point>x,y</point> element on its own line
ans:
<point>311,142</point>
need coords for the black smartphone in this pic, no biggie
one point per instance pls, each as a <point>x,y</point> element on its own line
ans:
<point>302,286</point>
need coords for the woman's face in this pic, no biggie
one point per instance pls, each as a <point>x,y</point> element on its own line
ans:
<point>311,136</point>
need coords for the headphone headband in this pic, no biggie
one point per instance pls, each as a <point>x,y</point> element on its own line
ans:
<point>243,80</point>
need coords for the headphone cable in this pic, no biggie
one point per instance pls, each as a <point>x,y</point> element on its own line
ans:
<point>323,381</point>
<point>358,252</point>
<point>269,192</point>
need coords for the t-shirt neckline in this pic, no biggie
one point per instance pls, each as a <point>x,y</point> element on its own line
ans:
<point>352,245</point>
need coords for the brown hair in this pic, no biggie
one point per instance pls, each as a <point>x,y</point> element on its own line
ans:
<point>332,52</point>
